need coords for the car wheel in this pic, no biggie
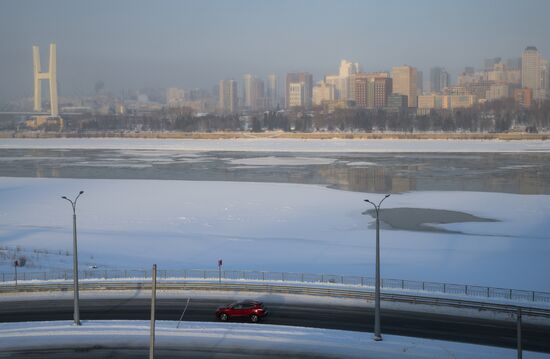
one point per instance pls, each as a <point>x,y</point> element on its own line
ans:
<point>254,318</point>
<point>223,317</point>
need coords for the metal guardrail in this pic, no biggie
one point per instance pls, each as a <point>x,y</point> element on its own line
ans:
<point>399,284</point>
<point>283,289</point>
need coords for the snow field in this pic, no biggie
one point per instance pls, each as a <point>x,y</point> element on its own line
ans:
<point>275,227</point>
<point>229,336</point>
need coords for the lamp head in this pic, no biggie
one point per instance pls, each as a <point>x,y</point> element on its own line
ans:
<point>368,201</point>
<point>387,195</point>
<point>83,192</point>
<point>64,197</point>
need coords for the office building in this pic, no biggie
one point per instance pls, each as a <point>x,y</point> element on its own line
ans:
<point>372,89</point>
<point>296,94</point>
<point>175,97</point>
<point>430,102</point>
<point>439,79</point>
<point>397,102</point>
<point>404,83</point>
<point>304,78</point>
<point>229,98</point>
<point>498,91</point>
<point>323,92</point>
<point>532,72</point>
<point>344,82</point>
<point>272,94</point>
<point>523,96</point>
<point>445,102</point>
<point>253,93</point>
<point>419,82</point>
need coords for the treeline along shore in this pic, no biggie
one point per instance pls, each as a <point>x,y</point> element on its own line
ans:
<point>507,136</point>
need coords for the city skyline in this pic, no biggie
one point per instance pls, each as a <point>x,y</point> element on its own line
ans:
<point>190,45</point>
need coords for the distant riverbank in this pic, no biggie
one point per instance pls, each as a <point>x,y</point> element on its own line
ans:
<point>509,136</point>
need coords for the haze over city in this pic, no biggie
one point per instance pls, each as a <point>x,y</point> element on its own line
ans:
<point>355,178</point>
<point>189,44</point>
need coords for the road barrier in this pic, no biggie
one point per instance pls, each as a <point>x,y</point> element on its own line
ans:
<point>8,279</point>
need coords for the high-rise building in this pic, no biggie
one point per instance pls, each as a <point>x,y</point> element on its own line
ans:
<point>523,96</point>
<point>175,97</point>
<point>404,83</point>
<point>304,78</point>
<point>229,98</point>
<point>253,92</point>
<point>447,102</point>
<point>272,92</point>
<point>380,88</point>
<point>323,92</point>
<point>372,89</point>
<point>397,102</point>
<point>341,85</point>
<point>349,68</point>
<point>498,91</point>
<point>419,82</point>
<point>296,94</point>
<point>361,90</point>
<point>439,79</point>
<point>532,72</point>
<point>545,73</point>
<point>344,82</point>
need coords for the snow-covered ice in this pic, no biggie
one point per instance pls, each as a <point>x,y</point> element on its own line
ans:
<point>284,145</point>
<point>277,227</point>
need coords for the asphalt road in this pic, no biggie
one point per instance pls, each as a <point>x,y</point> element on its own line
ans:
<point>133,353</point>
<point>425,325</point>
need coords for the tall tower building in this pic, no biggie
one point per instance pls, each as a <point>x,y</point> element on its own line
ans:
<point>51,76</point>
<point>532,72</point>
<point>530,69</point>
<point>272,91</point>
<point>304,78</point>
<point>229,99</point>
<point>296,95</point>
<point>253,92</point>
<point>175,97</point>
<point>404,83</point>
<point>419,82</point>
<point>380,88</point>
<point>348,68</point>
<point>372,90</point>
<point>439,79</point>
<point>344,82</point>
<point>323,92</point>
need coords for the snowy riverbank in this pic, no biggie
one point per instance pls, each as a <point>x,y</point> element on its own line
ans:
<point>275,227</point>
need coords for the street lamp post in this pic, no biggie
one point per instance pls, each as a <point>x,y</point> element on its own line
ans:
<point>377,333</point>
<point>76,314</point>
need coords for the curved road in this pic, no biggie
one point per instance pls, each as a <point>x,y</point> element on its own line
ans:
<point>425,325</point>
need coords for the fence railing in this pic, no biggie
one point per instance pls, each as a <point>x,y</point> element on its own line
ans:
<point>264,276</point>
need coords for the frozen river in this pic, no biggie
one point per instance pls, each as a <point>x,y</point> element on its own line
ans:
<point>521,173</point>
<point>280,210</point>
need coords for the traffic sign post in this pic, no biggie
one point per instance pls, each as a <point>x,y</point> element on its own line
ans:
<point>15,265</point>
<point>220,263</point>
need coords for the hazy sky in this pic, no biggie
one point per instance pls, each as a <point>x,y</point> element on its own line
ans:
<point>133,44</point>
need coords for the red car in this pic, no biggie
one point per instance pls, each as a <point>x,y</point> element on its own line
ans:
<point>246,309</point>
